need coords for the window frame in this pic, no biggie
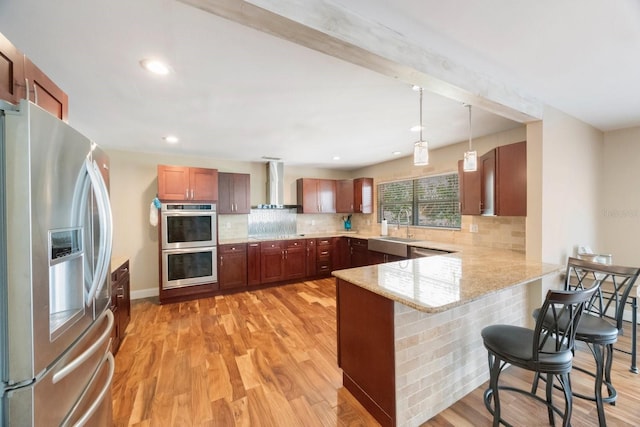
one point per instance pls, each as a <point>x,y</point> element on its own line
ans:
<point>414,204</point>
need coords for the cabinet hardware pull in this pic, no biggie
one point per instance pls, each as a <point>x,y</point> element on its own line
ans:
<point>192,194</point>
<point>26,85</point>
<point>221,261</point>
<point>186,194</point>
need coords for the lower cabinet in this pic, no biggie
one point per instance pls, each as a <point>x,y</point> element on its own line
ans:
<point>323,256</point>
<point>310,261</point>
<point>120,303</point>
<point>271,261</point>
<point>232,262</point>
<point>253,263</point>
<point>380,258</point>
<point>359,253</point>
<point>295,259</point>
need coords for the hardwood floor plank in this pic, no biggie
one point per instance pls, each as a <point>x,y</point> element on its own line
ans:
<point>268,357</point>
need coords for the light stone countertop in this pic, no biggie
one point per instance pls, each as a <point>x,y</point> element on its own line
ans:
<point>117,261</point>
<point>438,283</point>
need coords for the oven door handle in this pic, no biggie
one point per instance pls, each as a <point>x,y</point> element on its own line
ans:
<point>188,250</point>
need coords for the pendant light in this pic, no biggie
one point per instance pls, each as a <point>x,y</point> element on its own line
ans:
<point>470,163</point>
<point>421,148</point>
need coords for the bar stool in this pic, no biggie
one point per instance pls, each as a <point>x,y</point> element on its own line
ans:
<point>547,349</point>
<point>602,322</point>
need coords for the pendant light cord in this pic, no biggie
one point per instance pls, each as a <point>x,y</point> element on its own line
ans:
<point>469,127</point>
<point>421,115</point>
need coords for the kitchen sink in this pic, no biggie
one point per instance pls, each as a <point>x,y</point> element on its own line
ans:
<point>391,245</point>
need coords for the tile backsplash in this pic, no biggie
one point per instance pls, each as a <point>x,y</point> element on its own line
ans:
<point>491,231</point>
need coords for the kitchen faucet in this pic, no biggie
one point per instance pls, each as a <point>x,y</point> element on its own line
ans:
<point>407,213</point>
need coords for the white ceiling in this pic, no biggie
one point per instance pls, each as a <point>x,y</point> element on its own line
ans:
<point>239,94</point>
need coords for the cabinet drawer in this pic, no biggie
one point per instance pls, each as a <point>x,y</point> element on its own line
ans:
<point>323,253</point>
<point>232,249</point>
<point>324,242</point>
<point>324,266</point>
<point>271,245</point>
<point>298,243</point>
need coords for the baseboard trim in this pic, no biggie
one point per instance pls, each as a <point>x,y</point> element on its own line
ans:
<point>145,293</point>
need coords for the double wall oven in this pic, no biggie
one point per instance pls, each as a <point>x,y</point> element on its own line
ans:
<point>189,244</point>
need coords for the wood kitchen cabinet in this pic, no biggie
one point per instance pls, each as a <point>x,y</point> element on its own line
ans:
<point>359,252</point>
<point>232,263</point>
<point>374,257</point>
<point>295,258</point>
<point>120,303</point>
<point>499,186</point>
<point>363,195</point>
<point>234,193</point>
<point>354,195</point>
<point>20,78</point>
<point>182,183</point>
<point>344,196</point>
<point>316,195</point>
<point>310,261</point>
<point>271,261</point>
<point>341,253</point>
<point>324,251</point>
<point>253,263</point>
<point>11,72</point>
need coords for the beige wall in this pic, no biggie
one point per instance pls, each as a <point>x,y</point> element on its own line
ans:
<point>619,214</point>
<point>572,155</point>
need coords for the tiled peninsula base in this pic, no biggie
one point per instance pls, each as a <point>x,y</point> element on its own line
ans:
<point>405,365</point>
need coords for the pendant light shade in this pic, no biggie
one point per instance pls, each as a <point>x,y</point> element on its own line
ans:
<point>470,162</point>
<point>421,147</point>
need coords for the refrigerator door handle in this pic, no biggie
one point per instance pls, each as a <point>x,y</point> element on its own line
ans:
<point>106,227</point>
<point>78,361</point>
<point>101,396</point>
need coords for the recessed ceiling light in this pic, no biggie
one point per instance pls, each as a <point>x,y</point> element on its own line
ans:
<point>397,153</point>
<point>155,66</point>
<point>336,157</point>
<point>171,139</point>
<point>416,128</point>
<point>416,88</point>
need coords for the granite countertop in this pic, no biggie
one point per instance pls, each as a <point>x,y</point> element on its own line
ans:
<point>438,283</point>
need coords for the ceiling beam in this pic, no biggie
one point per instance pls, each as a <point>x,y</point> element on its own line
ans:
<point>327,28</point>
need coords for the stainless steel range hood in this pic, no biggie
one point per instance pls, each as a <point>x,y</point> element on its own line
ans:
<point>275,183</point>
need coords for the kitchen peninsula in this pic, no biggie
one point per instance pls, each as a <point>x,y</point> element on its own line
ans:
<point>409,339</point>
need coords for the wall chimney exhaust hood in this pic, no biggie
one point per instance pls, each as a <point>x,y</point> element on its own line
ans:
<point>275,185</point>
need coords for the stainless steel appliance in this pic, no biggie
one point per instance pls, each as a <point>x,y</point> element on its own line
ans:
<point>189,244</point>
<point>188,225</point>
<point>55,250</point>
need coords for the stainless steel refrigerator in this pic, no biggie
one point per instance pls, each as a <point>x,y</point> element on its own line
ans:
<point>55,250</point>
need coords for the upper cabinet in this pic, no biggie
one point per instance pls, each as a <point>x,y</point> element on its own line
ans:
<point>20,78</point>
<point>499,186</point>
<point>316,195</point>
<point>43,92</point>
<point>181,183</point>
<point>344,196</point>
<point>234,193</point>
<point>11,72</point>
<point>363,195</point>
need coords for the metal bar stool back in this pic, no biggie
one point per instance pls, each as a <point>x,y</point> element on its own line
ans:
<point>603,320</point>
<point>547,349</point>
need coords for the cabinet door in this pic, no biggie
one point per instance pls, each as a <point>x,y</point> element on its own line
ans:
<point>203,184</point>
<point>359,253</point>
<point>44,92</point>
<point>327,195</point>
<point>295,260</point>
<point>363,195</point>
<point>307,195</point>
<point>488,182</point>
<point>234,193</point>
<point>511,180</point>
<point>374,257</point>
<point>310,262</point>
<point>225,193</point>
<point>470,190</point>
<point>342,251</point>
<point>271,262</point>
<point>242,193</point>
<point>233,266</point>
<point>345,196</point>
<point>11,72</point>
<point>253,261</point>
<point>173,182</point>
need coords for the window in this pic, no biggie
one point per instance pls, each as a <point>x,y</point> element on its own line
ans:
<point>431,201</point>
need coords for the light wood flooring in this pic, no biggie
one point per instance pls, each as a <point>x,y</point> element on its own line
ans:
<point>268,358</point>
